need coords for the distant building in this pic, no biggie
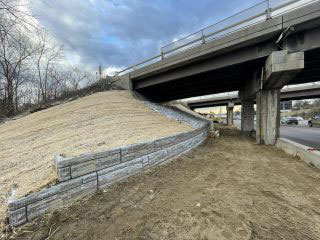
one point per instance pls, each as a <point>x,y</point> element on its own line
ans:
<point>286,106</point>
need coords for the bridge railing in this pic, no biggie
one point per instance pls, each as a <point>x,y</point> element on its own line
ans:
<point>248,17</point>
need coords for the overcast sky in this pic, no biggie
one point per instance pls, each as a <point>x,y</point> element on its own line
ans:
<point>119,33</point>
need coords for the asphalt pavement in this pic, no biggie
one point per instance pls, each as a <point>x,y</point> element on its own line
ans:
<point>308,136</point>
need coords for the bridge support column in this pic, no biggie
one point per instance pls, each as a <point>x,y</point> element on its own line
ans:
<point>230,113</point>
<point>247,117</point>
<point>268,116</point>
<point>280,68</point>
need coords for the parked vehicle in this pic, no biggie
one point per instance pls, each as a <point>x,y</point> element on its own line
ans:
<point>283,120</point>
<point>314,122</point>
<point>292,120</point>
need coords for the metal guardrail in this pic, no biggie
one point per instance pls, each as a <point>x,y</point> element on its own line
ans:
<point>260,12</point>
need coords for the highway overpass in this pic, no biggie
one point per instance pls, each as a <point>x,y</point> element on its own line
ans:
<point>287,94</point>
<point>256,56</point>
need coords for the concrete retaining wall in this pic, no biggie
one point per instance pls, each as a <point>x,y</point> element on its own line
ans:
<point>85,174</point>
<point>307,154</point>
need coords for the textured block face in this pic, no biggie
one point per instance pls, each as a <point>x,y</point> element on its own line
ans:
<point>145,161</point>
<point>37,196</point>
<point>17,217</point>
<point>39,208</point>
<point>78,192</point>
<point>165,142</point>
<point>66,162</point>
<point>157,156</point>
<point>136,147</point>
<point>119,166</point>
<point>113,176</point>
<point>64,174</point>
<point>135,151</point>
<point>170,141</point>
<point>94,165</point>
<point>89,178</point>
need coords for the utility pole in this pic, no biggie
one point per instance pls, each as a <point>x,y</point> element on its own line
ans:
<point>100,72</point>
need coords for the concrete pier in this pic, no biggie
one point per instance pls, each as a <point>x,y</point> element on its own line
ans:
<point>268,116</point>
<point>230,113</point>
<point>280,68</point>
<point>247,117</point>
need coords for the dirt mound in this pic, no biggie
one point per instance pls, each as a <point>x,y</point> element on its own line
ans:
<point>90,124</point>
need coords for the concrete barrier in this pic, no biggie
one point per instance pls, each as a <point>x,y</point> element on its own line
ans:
<point>307,154</point>
<point>83,175</point>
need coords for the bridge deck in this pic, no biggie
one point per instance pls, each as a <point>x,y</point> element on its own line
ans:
<point>225,64</point>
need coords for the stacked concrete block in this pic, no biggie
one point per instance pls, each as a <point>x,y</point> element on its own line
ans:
<point>134,151</point>
<point>69,168</point>
<point>178,115</point>
<point>116,173</point>
<point>83,175</point>
<point>36,204</point>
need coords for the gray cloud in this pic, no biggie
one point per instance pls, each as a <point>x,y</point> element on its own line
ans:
<point>123,32</point>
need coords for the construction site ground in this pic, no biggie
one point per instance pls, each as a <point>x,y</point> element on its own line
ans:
<point>94,123</point>
<point>228,188</point>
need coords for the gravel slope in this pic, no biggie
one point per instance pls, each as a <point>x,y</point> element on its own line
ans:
<point>94,123</point>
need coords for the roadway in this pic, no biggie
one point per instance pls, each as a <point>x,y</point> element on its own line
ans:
<point>301,134</point>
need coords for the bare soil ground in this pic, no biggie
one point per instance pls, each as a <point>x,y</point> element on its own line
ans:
<point>228,188</point>
<point>91,124</point>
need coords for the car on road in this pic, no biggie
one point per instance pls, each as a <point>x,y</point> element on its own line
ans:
<point>283,120</point>
<point>314,122</point>
<point>300,118</point>
<point>292,120</point>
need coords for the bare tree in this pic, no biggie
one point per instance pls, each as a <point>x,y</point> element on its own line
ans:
<point>31,70</point>
<point>77,76</point>
<point>58,83</point>
<point>15,50</point>
<point>47,54</point>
